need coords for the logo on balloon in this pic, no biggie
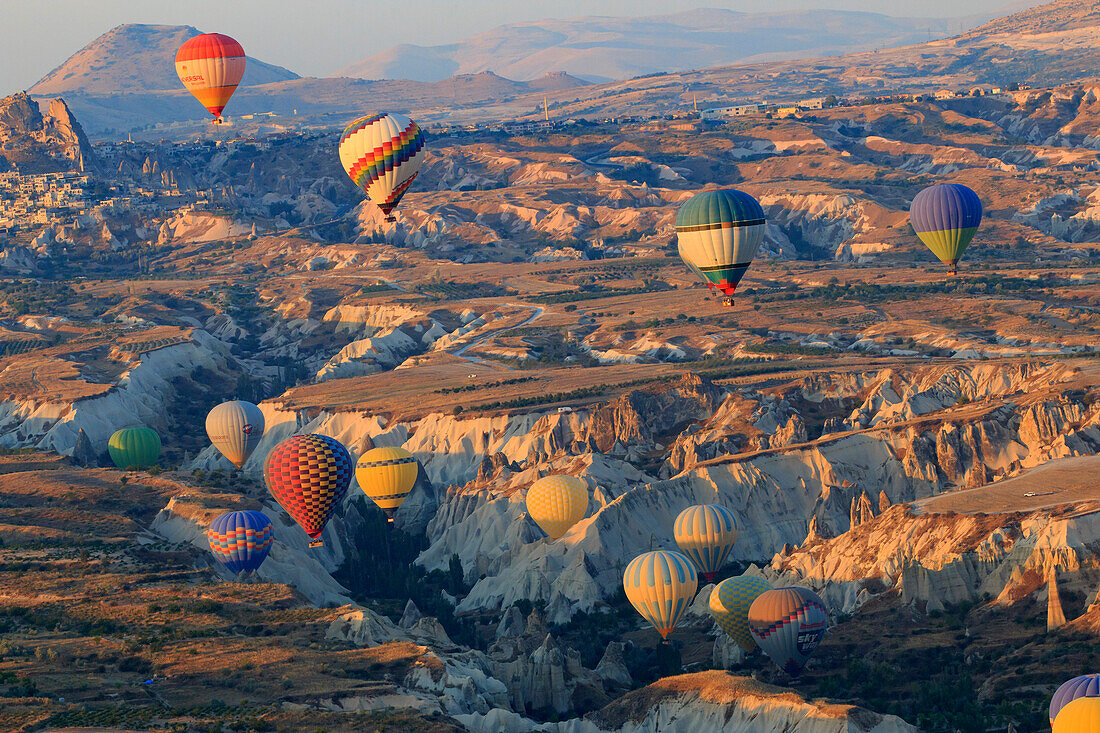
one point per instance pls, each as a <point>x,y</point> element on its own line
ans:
<point>808,639</point>
<point>247,429</point>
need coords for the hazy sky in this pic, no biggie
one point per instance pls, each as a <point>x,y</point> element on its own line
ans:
<point>319,37</point>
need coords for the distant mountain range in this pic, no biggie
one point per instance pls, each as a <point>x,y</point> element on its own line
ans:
<point>125,80</point>
<point>604,48</point>
<point>137,58</point>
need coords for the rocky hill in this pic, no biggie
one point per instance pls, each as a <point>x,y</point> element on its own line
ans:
<point>603,48</point>
<point>136,58</point>
<point>31,142</point>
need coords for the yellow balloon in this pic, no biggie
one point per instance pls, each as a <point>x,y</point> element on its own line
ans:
<point>729,605</point>
<point>660,586</point>
<point>387,475</point>
<point>556,503</point>
<point>1080,716</point>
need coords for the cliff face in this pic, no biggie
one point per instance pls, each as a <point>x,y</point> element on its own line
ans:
<point>936,559</point>
<point>31,142</point>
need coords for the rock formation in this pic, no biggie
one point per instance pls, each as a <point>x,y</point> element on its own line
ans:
<point>37,143</point>
<point>1055,617</point>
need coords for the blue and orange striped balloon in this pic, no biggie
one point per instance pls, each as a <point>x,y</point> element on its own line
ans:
<point>946,217</point>
<point>241,540</point>
<point>706,533</point>
<point>660,586</point>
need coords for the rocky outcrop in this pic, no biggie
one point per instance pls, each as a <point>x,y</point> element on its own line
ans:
<point>37,143</point>
<point>934,560</point>
<point>705,701</point>
<point>1056,618</point>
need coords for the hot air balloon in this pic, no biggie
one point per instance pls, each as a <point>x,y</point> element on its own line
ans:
<point>706,533</point>
<point>387,475</point>
<point>729,604</point>
<point>211,66</point>
<point>660,586</point>
<point>309,476</point>
<point>1086,685</point>
<point>945,217</point>
<point>1078,716</point>
<point>788,623</point>
<point>241,540</point>
<point>556,503</point>
<point>718,233</point>
<point>138,447</point>
<point>381,155</point>
<point>235,428</point>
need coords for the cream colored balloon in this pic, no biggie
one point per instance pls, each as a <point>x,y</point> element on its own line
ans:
<point>556,503</point>
<point>235,428</point>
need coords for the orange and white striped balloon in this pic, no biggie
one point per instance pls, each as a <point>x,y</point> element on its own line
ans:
<point>211,67</point>
<point>382,154</point>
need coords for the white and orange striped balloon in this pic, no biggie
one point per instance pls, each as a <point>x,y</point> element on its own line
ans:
<point>211,66</point>
<point>382,154</point>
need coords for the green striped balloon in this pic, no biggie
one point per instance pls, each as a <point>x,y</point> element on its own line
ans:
<point>718,233</point>
<point>138,447</point>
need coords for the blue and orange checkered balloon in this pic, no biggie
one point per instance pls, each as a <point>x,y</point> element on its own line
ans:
<point>309,476</point>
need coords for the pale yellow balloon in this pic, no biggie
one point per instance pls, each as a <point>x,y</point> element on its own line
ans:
<point>1080,716</point>
<point>556,503</point>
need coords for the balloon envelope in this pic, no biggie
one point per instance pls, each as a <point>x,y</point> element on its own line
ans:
<point>1079,716</point>
<point>718,233</point>
<point>729,605</point>
<point>1086,685</point>
<point>706,533</point>
<point>235,428</point>
<point>387,475</point>
<point>134,447</point>
<point>788,623</point>
<point>382,154</point>
<point>309,476</point>
<point>211,66</point>
<point>945,217</point>
<point>556,503</point>
<point>241,540</point>
<point>660,586</point>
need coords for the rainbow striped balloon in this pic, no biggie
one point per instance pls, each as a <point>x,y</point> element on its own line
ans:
<point>660,586</point>
<point>241,540</point>
<point>382,154</point>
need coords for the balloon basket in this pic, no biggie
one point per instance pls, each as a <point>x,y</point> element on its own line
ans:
<point>727,302</point>
<point>316,543</point>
